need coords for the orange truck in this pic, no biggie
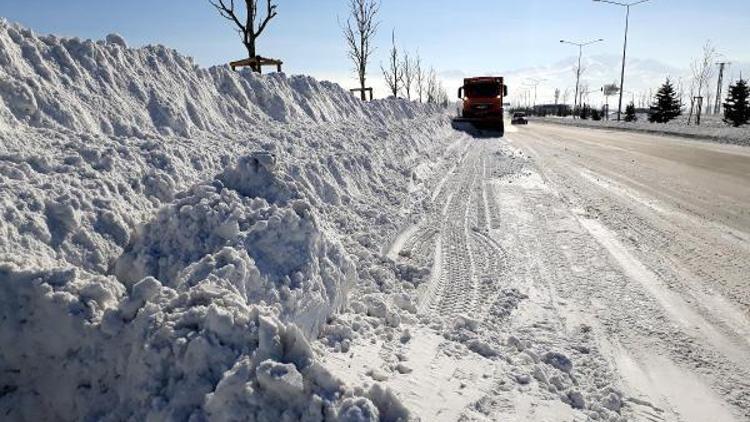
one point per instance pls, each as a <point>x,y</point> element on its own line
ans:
<point>482,104</point>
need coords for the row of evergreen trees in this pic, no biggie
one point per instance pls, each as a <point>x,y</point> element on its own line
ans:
<point>667,105</point>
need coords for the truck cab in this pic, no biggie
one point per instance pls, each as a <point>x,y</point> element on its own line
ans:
<point>483,102</point>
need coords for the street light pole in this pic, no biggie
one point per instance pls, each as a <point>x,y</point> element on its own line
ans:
<point>578,70</point>
<point>627,6</point>
<point>535,84</point>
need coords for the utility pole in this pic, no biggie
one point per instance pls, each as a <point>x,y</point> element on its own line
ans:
<point>625,45</point>
<point>720,86</point>
<point>578,70</point>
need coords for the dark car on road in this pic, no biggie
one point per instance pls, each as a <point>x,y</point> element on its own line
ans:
<point>519,119</point>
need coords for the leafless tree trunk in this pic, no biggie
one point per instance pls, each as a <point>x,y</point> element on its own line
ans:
<point>410,74</point>
<point>702,70</point>
<point>565,96</point>
<point>394,74</point>
<point>420,77</point>
<point>252,26</point>
<point>360,29</point>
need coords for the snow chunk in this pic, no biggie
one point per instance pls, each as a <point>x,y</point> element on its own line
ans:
<point>267,248</point>
<point>558,360</point>
<point>358,410</point>
<point>282,381</point>
<point>116,39</point>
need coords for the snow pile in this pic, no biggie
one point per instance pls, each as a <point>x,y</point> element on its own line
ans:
<point>102,87</point>
<point>249,228</point>
<point>83,349</point>
<point>173,238</point>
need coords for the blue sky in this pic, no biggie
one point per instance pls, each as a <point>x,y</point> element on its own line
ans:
<point>475,36</point>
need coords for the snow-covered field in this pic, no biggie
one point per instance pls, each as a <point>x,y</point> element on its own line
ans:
<point>179,243</point>
<point>712,128</point>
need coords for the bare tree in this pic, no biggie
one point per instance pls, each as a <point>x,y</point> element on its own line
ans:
<point>565,96</point>
<point>252,26</point>
<point>435,90</point>
<point>421,77</point>
<point>431,87</point>
<point>442,95</point>
<point>409,67</point>
<point>583,93</point>
<point>702,70</point>
<point>557,96</point>
<point>394,74</point>
<point>360,29</point>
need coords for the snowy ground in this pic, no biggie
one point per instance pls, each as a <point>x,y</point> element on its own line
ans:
<point>189,244</point>
<point>712,128</point>
<point>573,283</point>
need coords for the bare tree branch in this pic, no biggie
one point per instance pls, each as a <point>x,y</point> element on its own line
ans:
<point>228,12</point>
<point>271,10</point>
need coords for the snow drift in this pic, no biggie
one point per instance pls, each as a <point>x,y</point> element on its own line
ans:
<point>174,237</point>
<point>103,87</point>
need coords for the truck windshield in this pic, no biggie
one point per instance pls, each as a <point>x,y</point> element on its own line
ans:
<point>482,90</point>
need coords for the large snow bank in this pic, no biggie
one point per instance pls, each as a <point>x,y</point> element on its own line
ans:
<point>102,87</point>
<point>172,238</point>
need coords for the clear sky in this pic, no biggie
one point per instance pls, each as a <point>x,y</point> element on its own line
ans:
<point>471,36</point>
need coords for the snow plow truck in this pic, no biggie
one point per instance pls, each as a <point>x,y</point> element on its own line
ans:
<point>482,109</point>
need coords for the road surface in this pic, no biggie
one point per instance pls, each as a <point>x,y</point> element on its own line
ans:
<point>578,273</point>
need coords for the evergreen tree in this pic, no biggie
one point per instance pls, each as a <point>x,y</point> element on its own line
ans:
<point>596,115</point>
<point>666,105</point>
<point>736,108</point>
<point>585,112</point>
<point>630,115</point>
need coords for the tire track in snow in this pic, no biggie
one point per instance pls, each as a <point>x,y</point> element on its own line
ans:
<point>452,289</point>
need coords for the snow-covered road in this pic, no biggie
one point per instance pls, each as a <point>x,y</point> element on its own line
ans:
<point>576,274</point>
